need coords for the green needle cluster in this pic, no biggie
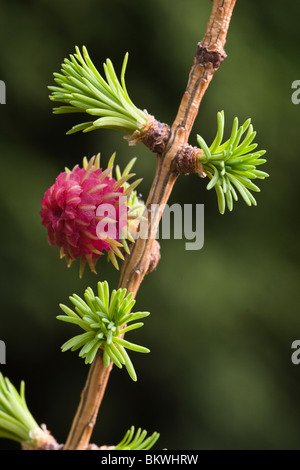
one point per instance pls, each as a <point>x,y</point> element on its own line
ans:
<point>231,166</point>
<point>104,318</point>
<point>16,421</point>
<point>139,441</point>
<point>82,89</point>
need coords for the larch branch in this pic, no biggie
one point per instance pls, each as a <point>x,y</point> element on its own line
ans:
<point>209,55</point>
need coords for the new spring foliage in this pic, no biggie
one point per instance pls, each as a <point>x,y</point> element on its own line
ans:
<point>231,166</point>
<point>82,89</point>
<point>105,319</point>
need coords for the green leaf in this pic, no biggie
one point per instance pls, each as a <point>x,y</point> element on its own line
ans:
<point>219,136</point>
<point>137,441</point>
<point>128,363</point>
<point>134,316</point>
<point>75,321</point>
<point>114,357</point>
<point>77,341</point>
<point>68,311</point>
<point>128,345</point>
<point>204,147</point>
<point>132,327</point>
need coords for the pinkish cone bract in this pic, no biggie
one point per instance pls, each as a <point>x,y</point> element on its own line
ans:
<point>69,212</point>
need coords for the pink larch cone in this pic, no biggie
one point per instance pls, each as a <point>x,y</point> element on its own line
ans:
<point>70,212</point>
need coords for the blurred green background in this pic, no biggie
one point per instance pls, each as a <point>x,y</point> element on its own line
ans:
<point>223,319</point>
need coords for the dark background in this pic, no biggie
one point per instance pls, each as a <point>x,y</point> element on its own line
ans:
<point>223,319</point>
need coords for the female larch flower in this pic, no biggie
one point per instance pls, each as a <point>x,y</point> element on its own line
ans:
<point>84,207</point>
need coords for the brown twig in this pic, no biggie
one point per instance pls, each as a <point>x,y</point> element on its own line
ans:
<point>91,397</point>
<point>210,54</point>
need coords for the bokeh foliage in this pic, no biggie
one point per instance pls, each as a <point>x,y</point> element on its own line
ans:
<point>230,383</point>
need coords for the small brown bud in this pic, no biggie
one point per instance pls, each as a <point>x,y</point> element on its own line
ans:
<point>154,135</point>
<point>187,161</point>
<point>155,256</point>
<point>204,56</point>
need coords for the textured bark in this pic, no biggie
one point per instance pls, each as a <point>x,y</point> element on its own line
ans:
<point>90,400</point>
